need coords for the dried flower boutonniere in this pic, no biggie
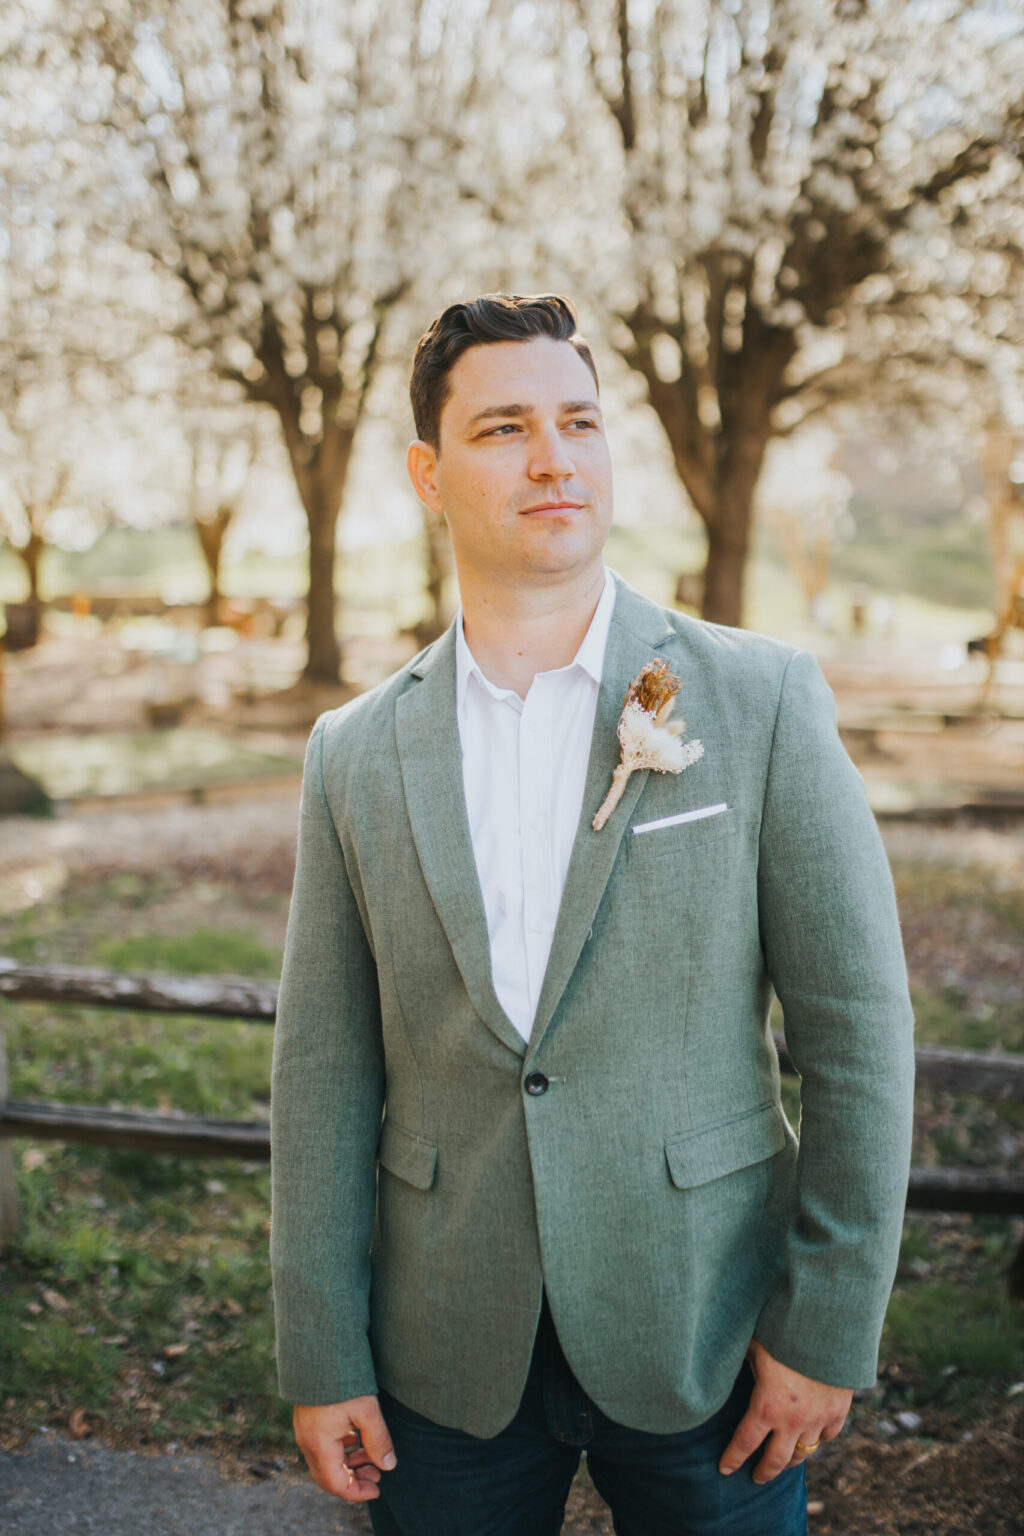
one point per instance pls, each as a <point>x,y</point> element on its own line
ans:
<point>648,738</point>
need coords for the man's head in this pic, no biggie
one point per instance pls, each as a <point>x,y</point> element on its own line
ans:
<point>512,450</point>
<point>492,318</point>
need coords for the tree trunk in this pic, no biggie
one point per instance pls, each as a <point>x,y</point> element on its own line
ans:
<point>211,541</point>
<point>439,566</point>
<point>320,472</point>
<point>718,458</point>
<point>31,554</point>
<point>323,659</point>
<point>728,543</point>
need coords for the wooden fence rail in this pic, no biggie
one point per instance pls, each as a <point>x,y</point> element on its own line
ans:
<point>978,1190</point>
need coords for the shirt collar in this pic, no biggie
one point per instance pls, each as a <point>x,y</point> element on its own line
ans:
<point>589,656</point>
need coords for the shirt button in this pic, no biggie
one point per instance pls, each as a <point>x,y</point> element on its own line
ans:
<point>536,1083</point>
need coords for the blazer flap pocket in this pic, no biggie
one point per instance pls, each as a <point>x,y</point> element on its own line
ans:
<point>407,1156</point>
<point>722,1149</point>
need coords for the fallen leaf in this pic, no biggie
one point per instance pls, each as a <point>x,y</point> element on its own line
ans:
<point>55,1301</point>
<point>78,1426</point>
<point>172,1351</point>
<point>33,1308</point>
<point>815,1507</point>
<point>234,1307</point>
<point>33,1158</point>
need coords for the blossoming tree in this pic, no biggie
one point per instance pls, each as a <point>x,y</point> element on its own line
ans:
<point>280,159</point>
<point>781,165</point>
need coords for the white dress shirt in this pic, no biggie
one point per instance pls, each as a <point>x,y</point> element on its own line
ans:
<point>524,765</point>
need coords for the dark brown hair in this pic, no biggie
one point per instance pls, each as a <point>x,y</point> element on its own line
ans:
<point>492,317</point>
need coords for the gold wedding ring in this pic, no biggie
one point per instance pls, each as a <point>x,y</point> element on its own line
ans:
<point>808,1449</point>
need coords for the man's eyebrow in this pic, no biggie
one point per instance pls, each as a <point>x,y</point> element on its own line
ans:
<point>517,408</point>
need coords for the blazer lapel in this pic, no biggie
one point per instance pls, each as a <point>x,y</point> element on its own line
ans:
<point>430,752</point>
<point>637,630</point>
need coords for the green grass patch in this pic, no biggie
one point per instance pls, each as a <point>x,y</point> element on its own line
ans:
<point>150,1061</point>
<point>203,951</point>
<point>941,1331</point>
<point>946,1017</point>
<point>138,1285</point>
<point>953,1337</point>
<point>146,1302</point>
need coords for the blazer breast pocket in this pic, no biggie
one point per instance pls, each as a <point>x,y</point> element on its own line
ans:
<point>683,839</point>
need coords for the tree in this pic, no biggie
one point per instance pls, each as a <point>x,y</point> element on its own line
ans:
<point>282,165</point>
<point>78,321</point>
<point>781,166</point>
<point>223,445</point>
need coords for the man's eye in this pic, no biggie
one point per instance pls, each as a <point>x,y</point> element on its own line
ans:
<point>584,421</point>
<point>503,430</point>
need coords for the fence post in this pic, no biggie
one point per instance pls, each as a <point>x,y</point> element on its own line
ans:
<point>8,1183</point>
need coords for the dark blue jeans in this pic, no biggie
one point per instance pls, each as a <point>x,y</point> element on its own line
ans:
<point>448,1483</point>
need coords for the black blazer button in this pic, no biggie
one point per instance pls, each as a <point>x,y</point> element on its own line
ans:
<point>536,1083</point>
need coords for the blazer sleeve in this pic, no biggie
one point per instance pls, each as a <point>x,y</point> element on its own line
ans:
<point>833,949</point>
<point>327,1095</point>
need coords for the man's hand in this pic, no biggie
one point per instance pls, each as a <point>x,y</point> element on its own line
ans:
<point>788,1408</point>
<point>346,1446</point>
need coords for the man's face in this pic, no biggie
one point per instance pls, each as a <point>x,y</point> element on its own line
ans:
<point>522,476</point>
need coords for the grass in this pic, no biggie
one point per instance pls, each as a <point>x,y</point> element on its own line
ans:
<point>139,1292</point>
<point>951,1330</point>
<point>202,951</point>
<point>138,1286</point>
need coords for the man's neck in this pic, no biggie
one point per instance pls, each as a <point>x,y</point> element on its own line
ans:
<point>514,634</point>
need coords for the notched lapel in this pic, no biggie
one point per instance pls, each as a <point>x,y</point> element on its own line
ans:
<point>637,631</point>
<point>429,749</point>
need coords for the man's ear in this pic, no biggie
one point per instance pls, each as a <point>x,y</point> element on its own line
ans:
<point>421,462</point>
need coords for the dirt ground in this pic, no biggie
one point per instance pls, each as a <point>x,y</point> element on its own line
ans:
<point>971,1484</point>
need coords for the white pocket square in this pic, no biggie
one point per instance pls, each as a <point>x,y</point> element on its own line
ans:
<point>674,821</point>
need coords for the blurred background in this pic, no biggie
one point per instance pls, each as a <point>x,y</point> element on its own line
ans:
<point>794,232</point>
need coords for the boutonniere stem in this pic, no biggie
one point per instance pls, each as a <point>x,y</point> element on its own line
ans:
<point>649,739</point>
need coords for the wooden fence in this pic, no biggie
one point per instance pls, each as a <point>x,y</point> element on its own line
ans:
<point>996,1191</point>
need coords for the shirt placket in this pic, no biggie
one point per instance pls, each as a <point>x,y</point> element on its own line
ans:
<point>536,833</point>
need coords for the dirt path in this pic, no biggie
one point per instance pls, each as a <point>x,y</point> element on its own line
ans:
<point>61,1487</point>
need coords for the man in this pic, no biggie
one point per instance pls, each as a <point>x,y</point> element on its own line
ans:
<point>534,1191</point>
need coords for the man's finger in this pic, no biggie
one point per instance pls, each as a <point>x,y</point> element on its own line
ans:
<point>777,1457</point>
<point>747,1436</point>
<point>373,1433</point>
<point>357,1457</point>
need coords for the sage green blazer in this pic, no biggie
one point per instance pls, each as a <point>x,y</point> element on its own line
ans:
<point>422,1197</point>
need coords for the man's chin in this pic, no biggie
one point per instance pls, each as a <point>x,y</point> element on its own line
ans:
<point>554,562</point>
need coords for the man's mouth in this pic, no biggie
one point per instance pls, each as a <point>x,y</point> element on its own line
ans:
<point>552,508</point>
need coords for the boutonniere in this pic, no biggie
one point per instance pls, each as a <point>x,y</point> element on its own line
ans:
<point>649,739</point>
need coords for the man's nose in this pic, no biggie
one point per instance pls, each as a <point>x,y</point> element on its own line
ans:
<point>550,459</point>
